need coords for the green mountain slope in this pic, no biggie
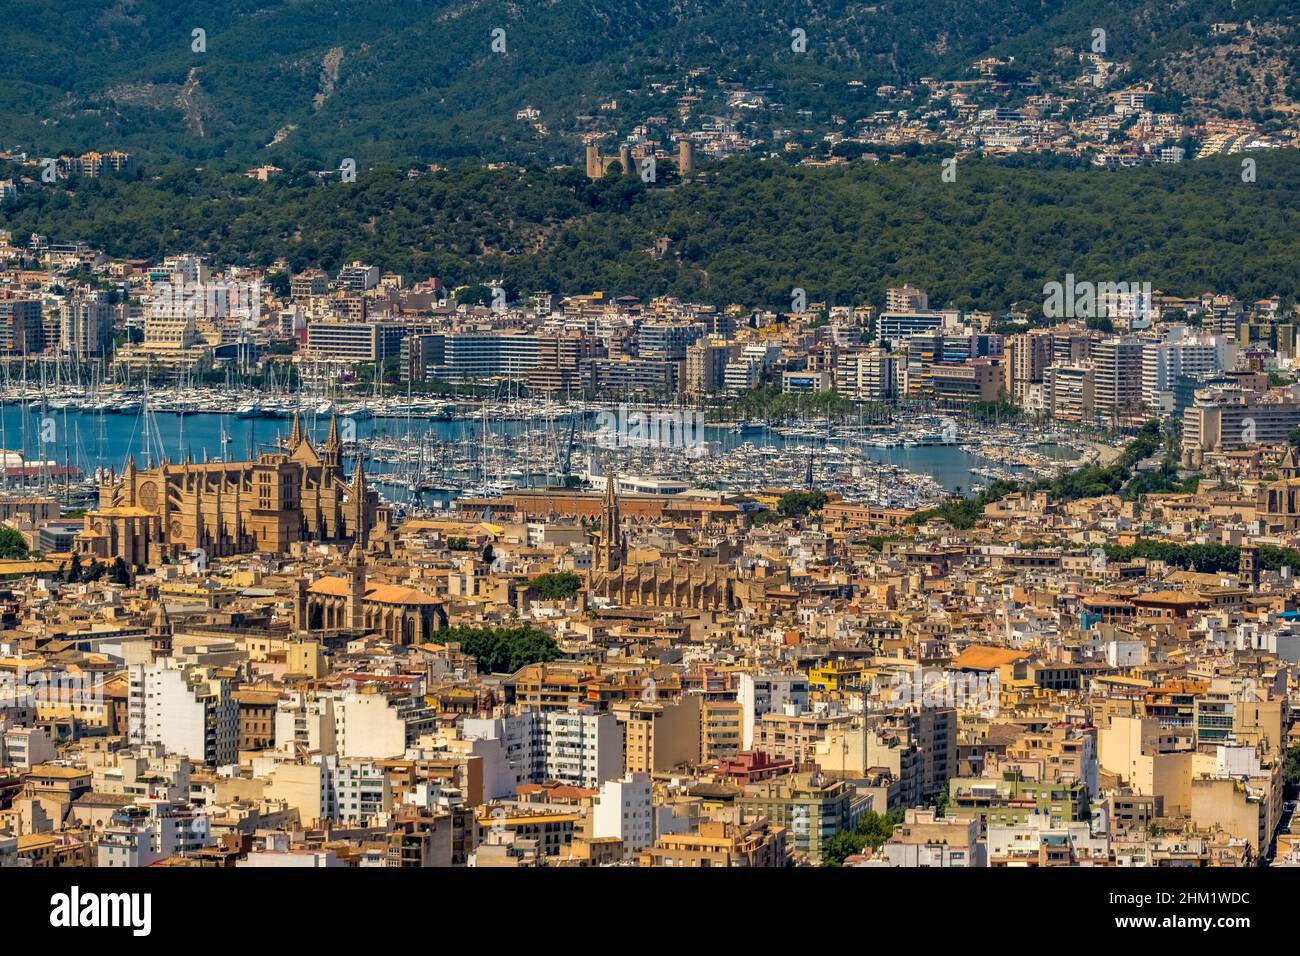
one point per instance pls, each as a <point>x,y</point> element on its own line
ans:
<point>749,231</point>
<point>395,80</point>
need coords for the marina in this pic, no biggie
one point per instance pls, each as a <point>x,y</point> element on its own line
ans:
<point>423,453</point>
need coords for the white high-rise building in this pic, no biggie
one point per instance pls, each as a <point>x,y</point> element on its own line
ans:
<point>186,709</point>
<point>625,810</point>
<point>350,723</point>
<point>582,749</point>
<point>1180,352</point>
<point>86,326</point>
<point>362,791</point>
<point>368,725</point>
<point>742,375</point>
<point>144,833</point>
<point>24,747</point>
<point>577,747</point>
<point>867,375</point>
<point>186,268</point>
<point>767,693</point>
<point>906,298</point>
<point>305,722</point>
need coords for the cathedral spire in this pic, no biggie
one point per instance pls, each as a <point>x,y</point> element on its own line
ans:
<point>1290,463</point>
<point>359,480</point>
<point>611,479</point>
<point>332,450</point>
<point>611,543</point>
<point>295,436</point>
<point>358,493</point>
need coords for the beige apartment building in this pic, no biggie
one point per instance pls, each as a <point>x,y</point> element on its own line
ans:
<point>797,736</point>
<point>706,365</point>
<point>721,729</point>
<point>722,843</point>
<point>660,737</point>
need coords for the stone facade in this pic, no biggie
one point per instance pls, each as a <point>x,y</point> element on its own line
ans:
<point>670,585</point>
<point>1278,508</point>
<point>228,508</point>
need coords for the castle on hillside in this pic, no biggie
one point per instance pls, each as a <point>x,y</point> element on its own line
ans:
<point>598,165</point>
<point>226,508</point>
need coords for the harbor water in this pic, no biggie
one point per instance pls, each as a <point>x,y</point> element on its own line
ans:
<point>85,441</point>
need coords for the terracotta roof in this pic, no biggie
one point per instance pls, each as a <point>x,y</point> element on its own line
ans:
<point>27,567</point>
<point>1168,597</point>
<point>395,594</point>
<point>337,587</point>
<point>981,657</point>
<point>377,593</point>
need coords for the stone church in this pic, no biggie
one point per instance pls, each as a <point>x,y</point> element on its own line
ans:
<point>666,585</point>
<point>170,511</point>
<point>351,603</point>
<point>1278,505</point>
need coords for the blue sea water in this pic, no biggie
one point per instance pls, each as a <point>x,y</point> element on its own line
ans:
<point>91,440</point>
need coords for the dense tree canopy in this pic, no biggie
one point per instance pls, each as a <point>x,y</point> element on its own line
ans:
<point>503,649</point>
<point>557,586</point>
<point>748,233</point>
<point>872,831</point>
<point>798,504</point>
<point>12,544</point>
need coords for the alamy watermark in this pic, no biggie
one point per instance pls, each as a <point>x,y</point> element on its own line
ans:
<point>24,688</point>
<point>1092,300</point>
<point>653,428</point>
<point>214,299</point>
<point>936,687</point>
<point>75,909</point>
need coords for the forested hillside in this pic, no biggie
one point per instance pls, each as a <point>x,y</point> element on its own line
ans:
<point>746,231</point>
